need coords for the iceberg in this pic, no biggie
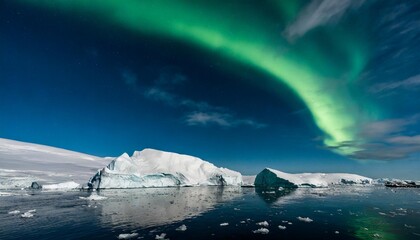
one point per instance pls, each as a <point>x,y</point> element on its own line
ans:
<point>270,178</point>
<point>154,168</point>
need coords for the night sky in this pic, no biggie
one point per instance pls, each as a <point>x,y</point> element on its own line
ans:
<point>322,85</point>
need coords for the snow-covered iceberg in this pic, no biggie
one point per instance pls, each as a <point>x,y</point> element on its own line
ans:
<point>270,178</point>
<point>154,168</point>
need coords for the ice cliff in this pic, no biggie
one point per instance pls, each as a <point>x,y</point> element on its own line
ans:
<point>154,168</point>
<point>270,178</point>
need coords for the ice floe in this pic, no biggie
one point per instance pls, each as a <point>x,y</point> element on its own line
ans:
<point>14,212</point>
<point>261,231</point>
<point>28,214</point>
<point>282,227</point>
<point>264,224</point>
<point>127,235</point>
<point>305,219</point>
<point>181,228</point>
<point>161,236</point>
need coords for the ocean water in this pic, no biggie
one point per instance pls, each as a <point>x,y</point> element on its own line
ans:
<point>214,213</point>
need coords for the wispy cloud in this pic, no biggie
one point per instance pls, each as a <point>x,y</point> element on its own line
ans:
<point>405,140</point>
<point>385,140</point>
<point>409,83</point>
<point>382,151</point>
<point>318,13</point>
<point>197,113</point>
<point>161,95</point>
<point>129,78</point>
<point>220,119</point>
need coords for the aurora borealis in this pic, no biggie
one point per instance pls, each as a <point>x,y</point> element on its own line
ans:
<point>324,56</point>
<point>302,66</point>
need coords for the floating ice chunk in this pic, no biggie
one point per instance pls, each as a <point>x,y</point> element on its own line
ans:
<point>31,211</point>
<point>27,215</point>
<point>262,231</point>
<point>236,209</point>
<point>337,232</point>
<point>381,213</point>
<point>408,226</point>
<point>264,224</point>
<point>127,235</point>
<point>243,222</point>
<point>94,197</point>
<point>305,219</point>
<point>376,235</point>
<point>181,228</point>
<point>14,212</point>
<point>61,186</point>
<point>224,224</point>
<point>282,227</point>
<point>161,236</point>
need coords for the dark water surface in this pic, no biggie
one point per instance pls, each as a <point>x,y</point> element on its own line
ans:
<point>337,213</point>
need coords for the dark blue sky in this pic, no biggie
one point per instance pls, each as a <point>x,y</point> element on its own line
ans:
<point>76,83</point>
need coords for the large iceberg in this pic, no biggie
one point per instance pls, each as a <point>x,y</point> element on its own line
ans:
<point>154,168</point>
<point>270,178</point>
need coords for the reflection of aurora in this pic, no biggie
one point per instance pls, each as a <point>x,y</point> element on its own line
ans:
<point>159,206</point>
<point>371,226</point>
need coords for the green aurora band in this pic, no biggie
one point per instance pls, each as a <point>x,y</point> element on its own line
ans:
<point>319,67</point>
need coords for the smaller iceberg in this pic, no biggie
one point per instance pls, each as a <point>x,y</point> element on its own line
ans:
<point>270,178</point>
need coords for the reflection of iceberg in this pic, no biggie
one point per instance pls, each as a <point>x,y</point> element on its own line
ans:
<point>154,168</point>
<point>286,196</point>
<point>271,196</point>
<point>159,206</point>
<point>270,178</point>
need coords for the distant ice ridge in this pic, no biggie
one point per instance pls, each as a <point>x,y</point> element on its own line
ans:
<point>274,179</point>
<point>22,163</point>
<point>61,186</point>
<point>154,168</point>
<point>248,181</point>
